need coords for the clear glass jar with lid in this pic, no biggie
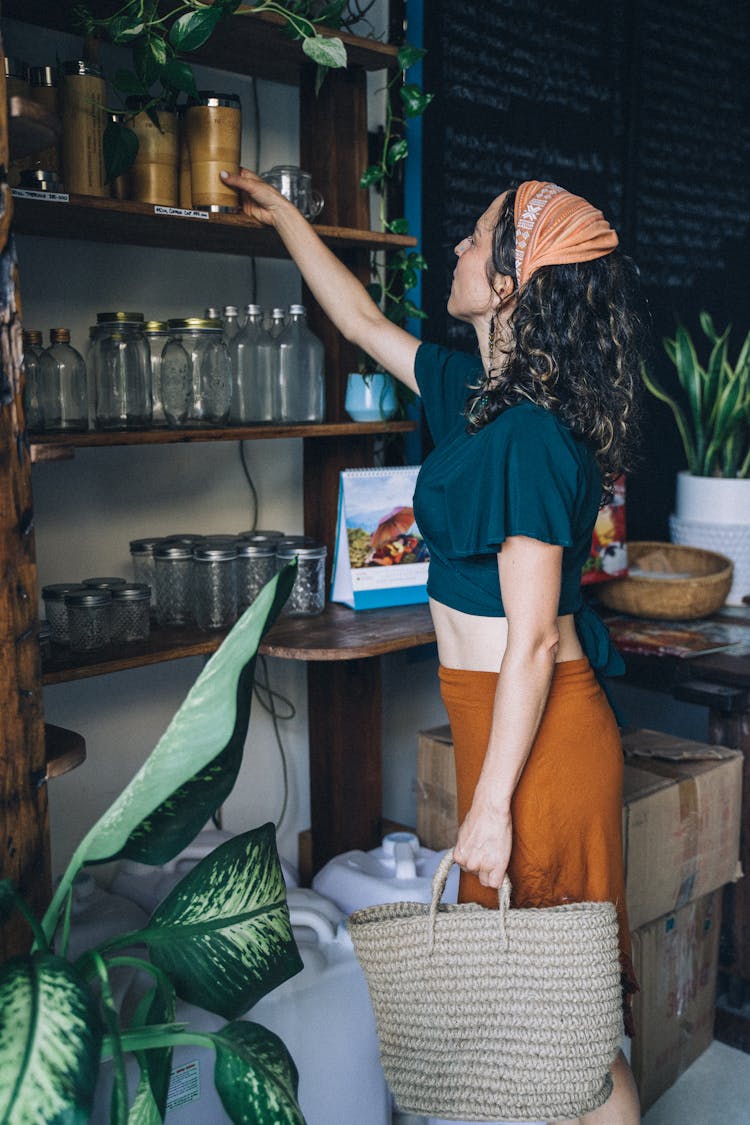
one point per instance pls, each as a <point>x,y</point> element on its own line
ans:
<point>62,373</point>
<point>208,374</point>
<point>157,334</point>
<point>130,612</point>
<point>215,584</point>
<point>307,597</point>
<point>256,565</point>
<point>121,361</point>
<point>142,554</point>
<point>301,380</point>
<point>174,583</point>
<point>56,610</point>
<point>89,618</point>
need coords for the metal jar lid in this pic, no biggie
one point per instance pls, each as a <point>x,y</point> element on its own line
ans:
<point>43,75</point>
<point>214,552</point>
<point>154,327</point>
<point>32,337</point>
<point>262,536</point>
<point>145,546</point>
<point>210,98</point>
<point>187,538</point>
<point>254,310</point>
<point>132,592</point>
<point>108,582</point>
<point>195,324</point>
<point>41,179</point>
<point>119,318</point>
<point>318,552</point>
<point>81,66</point>
<point>88,597</point>
<point>173,551</point>
<point>296,541</point>
<point>16,68</point>
<point>57,591</point>
<point>247,550</point>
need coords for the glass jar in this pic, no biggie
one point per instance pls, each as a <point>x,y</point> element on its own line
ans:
<point>254,357</point>
<point>204,371</point>
<point>215,578</point>
<point>256,565</point>
<point>130,612</point>
<point>157,335</point>
<point>301,383</point>
<point>142,554</point>
<point>63,385</point>
<point>121,361</point>
<point>307,597</point>
<point>174,583</point>
<point>56,611</point>
<point>89,618</point>
<point>45,640</point>
<point>104,583</point>
<point>32,394</point>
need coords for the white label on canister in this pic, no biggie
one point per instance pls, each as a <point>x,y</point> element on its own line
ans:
<point>184,1085</point>
<point>47,196</point>
<point>180,212</point>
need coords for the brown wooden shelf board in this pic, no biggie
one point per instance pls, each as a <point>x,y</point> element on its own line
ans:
<point>337,634</point>
<point>30,128</point>
<point>123,221</point>
<point>58,447</point>
<point>250,44</point>
<point>65,749</point>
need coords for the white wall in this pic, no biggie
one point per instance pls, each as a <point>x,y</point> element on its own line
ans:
<point>89,508</point>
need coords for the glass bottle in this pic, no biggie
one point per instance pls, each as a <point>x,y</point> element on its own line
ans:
<point>157,334</point>
<point>278,322</point>
<point>210,369</point>
<point>230,320</point>
<point>252,351</point>
<point>63,380</point>
<point>33,347</point>
<point>121,361</point>
<point>300,385</point>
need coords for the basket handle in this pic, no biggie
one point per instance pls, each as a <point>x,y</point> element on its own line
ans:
<point>440,878</point>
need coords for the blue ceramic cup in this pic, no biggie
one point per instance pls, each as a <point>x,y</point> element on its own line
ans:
<point>369,398</point>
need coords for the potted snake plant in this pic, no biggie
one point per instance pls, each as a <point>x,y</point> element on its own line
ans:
<point>220,940</point>
<point>712,508</point>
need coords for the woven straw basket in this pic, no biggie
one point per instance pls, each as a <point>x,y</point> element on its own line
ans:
<point>705,578</point>
<point>489,1014</point>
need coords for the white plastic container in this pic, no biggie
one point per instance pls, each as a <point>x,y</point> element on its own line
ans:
<point>398,871</point>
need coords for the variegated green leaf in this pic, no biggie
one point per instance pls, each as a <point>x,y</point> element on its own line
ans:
<point>255,1076</point>
<point>707,325</point>
<point>144,1110</point>
<point>214,713</point>
<point>50,1043</point>
<point>156,1007</point>
<point>223,933</point>
<point>691,374</point>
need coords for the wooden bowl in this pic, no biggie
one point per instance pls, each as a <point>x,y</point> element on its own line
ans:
<point>677,582</point>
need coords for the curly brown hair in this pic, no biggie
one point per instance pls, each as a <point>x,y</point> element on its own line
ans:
<point>574,345</point>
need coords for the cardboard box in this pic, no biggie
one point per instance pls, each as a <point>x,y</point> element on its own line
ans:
<point>681,815</point>
<point>675,960</point>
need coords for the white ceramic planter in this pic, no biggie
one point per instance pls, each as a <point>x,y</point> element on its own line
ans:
<point>714,513</point>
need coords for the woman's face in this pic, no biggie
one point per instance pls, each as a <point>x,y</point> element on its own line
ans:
<point>472,298</point>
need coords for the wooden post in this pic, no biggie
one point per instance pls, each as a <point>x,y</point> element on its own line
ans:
<point>25,829</point>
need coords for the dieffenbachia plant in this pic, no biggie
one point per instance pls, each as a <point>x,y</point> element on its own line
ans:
<point>221,939</point>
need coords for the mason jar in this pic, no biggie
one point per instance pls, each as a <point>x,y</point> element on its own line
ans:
<point>261,536</point>
<point>142,554</point>
<point>56,611</point>
<point>256,565</point>
<point>130,612</point>
<point>215,585</point>
<point>121,361</point>
<point>104,583</point>
<point>89,618</point>
<point>157,335</point>
<point>207,375</point>
<point>174,583</point>
<point>307,597</point>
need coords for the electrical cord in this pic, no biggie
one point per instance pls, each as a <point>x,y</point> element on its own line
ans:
<point>270,705</point>
<point>251,485</point>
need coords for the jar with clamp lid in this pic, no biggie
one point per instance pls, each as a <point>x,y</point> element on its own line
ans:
<point>89,618</point>
<point>130,612</point>
<point>157,334</point>
<point>256,565</point>
<point>215,584</point>
<point>121,361</point>
<point>174,583</point>
<point>203,369</point>
<point>307,597</point>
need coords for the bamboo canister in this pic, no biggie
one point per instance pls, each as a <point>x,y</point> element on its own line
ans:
<point>184,182</point>
<point>83,121</point>
<point>43,91</point>
<point>213,129</point>
<point>154,171</point>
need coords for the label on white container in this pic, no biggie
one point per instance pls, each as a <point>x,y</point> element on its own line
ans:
<point>179,212</point>
<point>47,196</point>
<point>184,1085</point>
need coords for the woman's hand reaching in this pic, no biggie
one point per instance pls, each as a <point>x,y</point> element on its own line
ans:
<point>258,199</point>
<point>484,843</point>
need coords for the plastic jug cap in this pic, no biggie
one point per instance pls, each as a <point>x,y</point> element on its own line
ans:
<point>393,838</point>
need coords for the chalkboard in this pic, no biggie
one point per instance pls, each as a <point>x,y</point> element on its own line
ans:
<point>639,105</point>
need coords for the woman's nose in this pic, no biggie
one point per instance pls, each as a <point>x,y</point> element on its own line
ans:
<point>458,249</point>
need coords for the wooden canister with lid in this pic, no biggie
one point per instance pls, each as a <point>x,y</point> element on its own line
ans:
<point>83,121</point>
<point>213,124</point>
<point>43,91</point>
<point>154,171</point>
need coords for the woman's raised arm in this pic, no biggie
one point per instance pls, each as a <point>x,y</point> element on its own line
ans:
<point>342,297</point>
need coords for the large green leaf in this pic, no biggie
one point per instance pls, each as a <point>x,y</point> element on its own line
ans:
<point>120,149</point>
<point>156,1007</point>
<point>192,30</point>
<point>255,1076</point>
<point>223,933</point>
<point>204,725</point>
<point>50,1042</point>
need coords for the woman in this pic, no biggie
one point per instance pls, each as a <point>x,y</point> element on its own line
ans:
<point>527,439</point>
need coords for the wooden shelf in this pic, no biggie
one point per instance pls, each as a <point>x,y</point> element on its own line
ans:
<point>138,224</point>
<point>65,749</point>
<point>61,447</point>
<point>30,128</point>
<point>337,634</point>
<point>245,44</point>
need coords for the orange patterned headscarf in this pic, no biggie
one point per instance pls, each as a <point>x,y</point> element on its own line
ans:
<point>554,227</point>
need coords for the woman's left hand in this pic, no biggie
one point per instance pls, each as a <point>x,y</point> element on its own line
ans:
<point>484,843</point>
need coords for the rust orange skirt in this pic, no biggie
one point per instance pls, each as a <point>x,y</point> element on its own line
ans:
<point>566,810</point>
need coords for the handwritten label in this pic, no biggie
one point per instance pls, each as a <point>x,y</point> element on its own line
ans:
<point>47,196</point>
<point>180,212</point>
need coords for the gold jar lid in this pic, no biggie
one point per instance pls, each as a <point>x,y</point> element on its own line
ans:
<point>59,335</point>
<point>156,326</point>
<point>32,336</point>
<point>195,323</point>
<point>119,317</point>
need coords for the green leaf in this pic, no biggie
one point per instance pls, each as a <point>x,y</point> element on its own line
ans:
<point>408,55</point>
<point>326,52</point>
<point>149,57</point>
<point>398,226</point>
<point>707,325</point>
<point>156,1007</point>
<point>124,29</point>
<point>223,934</point>
<point>687,442</point>
<point>129,83</point>
<point>255,1076</point>
<point>50,1042</point>
<point>204,725</point>
<point>417,261</point>
<point>120,149</point>
<point>82,20</point>
<point>397,151</point>
<point>413,310</point>
<point>179,76</point>
<point>410,277</point>
<point>372,175</point>
<point>415,102</point>
<point>192,30</point>
<point>375,289</point>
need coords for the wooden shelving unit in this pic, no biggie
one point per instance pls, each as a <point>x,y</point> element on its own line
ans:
<point>65,749</point>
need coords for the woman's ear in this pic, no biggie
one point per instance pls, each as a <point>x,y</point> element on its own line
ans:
<point>502,289</point>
